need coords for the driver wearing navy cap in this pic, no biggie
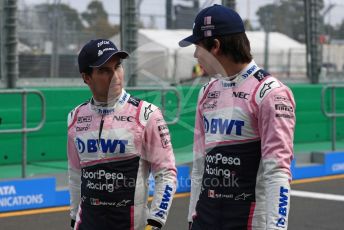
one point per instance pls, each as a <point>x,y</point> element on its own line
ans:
<point>96,52</point>
<point>214,21</point>
<point>244,130</point>
<point>114,142</point>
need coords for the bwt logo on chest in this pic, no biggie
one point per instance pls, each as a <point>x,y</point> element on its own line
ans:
<point>102,145</point>
<point>223,126</point>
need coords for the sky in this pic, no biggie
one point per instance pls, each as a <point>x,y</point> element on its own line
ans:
<point>246,8</point>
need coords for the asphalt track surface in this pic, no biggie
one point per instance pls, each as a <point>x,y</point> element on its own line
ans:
<point>322,209</point>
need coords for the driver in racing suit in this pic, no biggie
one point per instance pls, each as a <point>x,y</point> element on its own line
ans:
<point>114,141</point>
<point>243,141</point>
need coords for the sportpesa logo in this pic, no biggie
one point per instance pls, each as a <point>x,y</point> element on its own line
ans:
<point>102,145</point>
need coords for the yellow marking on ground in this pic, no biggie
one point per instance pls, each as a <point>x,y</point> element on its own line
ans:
<point>179,195</point>
<point>35,211</point>
<point>318,179</point>
<point>182,195</point>
<point>61,209</point>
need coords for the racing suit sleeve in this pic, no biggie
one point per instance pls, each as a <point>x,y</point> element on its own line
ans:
<point>159,154</point>
<point>198,160</point>
<point>74,171</point>
<point>276,121</point>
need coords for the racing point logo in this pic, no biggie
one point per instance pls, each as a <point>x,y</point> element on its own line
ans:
<point>95,201</point>
<point>211,193</point>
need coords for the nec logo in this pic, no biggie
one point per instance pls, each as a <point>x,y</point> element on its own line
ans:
<point>223,126</point>
<point>123,118</point>
<point>241,95</point>
<point>283,207</point>
<point>104,145</point>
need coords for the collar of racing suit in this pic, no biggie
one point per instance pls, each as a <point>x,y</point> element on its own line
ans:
<point>105,108</point>
<point>249,69</point>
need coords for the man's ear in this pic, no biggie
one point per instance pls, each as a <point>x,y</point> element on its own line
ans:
<point>215,50</point>
<point>86,78</point>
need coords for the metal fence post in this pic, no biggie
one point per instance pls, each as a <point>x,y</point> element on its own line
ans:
<point>24,134</point>
<point>129,27</point>
<point>334,120</point>
<point>313,48</point>
<point>10,10</point>
<point>333,114</point>
<point>24,130</point>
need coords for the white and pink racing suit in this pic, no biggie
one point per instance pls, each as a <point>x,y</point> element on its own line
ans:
<point>243,147</point>
<point>111,152</point>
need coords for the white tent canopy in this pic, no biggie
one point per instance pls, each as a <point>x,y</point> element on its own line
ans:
<point>160,57</point>
<point>277,41</point>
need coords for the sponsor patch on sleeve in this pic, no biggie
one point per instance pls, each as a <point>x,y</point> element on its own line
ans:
<point>281,98</point>
<point>146,112</point>
<point>265,88</point>
<point>164,135</point>
<point>283,107</point>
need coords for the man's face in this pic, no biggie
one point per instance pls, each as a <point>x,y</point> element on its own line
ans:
<point>207,59</point>
<point>106,82</point>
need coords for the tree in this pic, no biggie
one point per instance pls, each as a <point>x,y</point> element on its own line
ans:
<point>97,20</point>
<point>330,31</point>
<point>337,32</point>
<point>248,25</point>
<point>287,17</point>
<point>44,22</point>
<point>65,14</point>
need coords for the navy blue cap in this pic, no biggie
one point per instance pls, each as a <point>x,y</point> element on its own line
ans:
<point>216,20</point>
<point>96,52</point>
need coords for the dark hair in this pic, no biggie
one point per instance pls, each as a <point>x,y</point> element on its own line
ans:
<point>88,70</point>
<point>236,46</point>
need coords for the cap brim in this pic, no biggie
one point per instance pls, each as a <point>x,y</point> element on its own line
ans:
<point>106,56</point>
<point>188,41</point>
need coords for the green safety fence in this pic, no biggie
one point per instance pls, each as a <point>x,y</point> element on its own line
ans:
<point>49,144</point>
